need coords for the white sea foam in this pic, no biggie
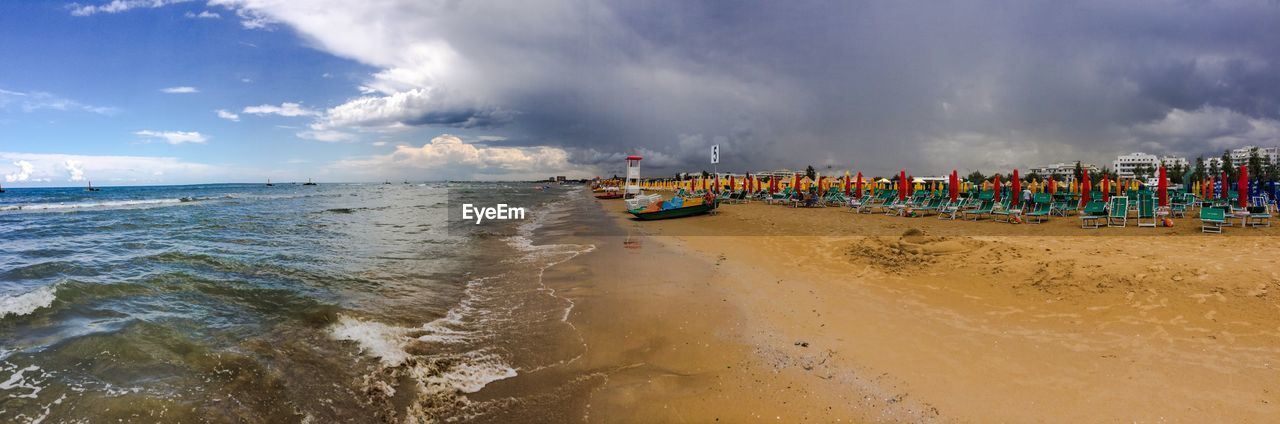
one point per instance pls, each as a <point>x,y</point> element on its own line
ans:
<point>93,205</point>
<point>385,342</point>
<point>471,375</point>
<point>27,302</point>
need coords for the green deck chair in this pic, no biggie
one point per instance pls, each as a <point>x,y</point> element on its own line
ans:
<point>1118,212</point>
<point>1212,220</point>
<point>1093,212</point>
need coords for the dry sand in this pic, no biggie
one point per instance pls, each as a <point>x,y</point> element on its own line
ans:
<point>768,312</point>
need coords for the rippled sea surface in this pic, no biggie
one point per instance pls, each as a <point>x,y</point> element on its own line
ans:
<point>233,303</point>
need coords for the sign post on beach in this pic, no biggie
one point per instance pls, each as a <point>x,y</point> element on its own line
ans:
<point>715,160</point>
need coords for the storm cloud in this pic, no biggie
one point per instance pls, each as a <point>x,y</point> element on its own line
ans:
<point>876,86</point>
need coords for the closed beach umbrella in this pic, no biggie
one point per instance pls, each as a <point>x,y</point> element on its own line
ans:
<point>858,182</point>
<point>1162,188</point>
<point>953,189</point>
<point>731,186</point>
<point>1052,186</point>
<point>795,182</point>
<point>1084,188</point>
<point>996,184</point>
<point>846,183</point>
<point>1106,189</point>
<point>1017,189</point>
<point>1242,187</point>
<point>1223,184</point>
<point>902,185</point>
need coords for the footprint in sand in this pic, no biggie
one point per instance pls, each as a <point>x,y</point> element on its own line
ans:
<point>1210,315</point>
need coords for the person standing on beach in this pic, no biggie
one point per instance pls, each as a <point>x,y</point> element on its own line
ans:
<point>1026,196</point>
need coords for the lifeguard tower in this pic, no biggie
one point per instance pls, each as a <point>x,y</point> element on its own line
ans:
<point>631,187</point>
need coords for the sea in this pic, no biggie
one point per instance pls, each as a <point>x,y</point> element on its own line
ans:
<point>289,303</point>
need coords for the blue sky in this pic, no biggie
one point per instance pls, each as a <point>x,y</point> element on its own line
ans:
<point>102,86</point>
<point>341,90</point>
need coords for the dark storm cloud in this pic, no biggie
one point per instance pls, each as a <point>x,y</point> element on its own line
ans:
<point>923,85</point>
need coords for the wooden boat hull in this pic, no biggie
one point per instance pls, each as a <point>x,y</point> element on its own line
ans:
<point>676,213</point>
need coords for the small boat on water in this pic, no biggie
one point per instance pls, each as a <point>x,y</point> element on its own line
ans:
<point>670,209</point>
<point>1,189</point>
<point>387,182</point>
<point>269,183</point>
<point>308,182</point>
<point>91,187</point>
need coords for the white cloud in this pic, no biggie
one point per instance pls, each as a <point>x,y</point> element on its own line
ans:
<point>175,137</point>
<point>180,90</point>
<point>379,143</point>
<point>285,109</point>
<point>117,6</point>
<point>326,135</point>
<point>25,169</point>
<point>37,100</point>
<point>228,115</point>
<point>205,14</point>
<point>44,167</point>
<point>75,169</point>
<point>447,156</point>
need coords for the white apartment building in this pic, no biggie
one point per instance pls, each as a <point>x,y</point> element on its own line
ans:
<point>1241,156</point>
<point>1172,161</point>
<point>1065,170</point>
<point>1124,165</point>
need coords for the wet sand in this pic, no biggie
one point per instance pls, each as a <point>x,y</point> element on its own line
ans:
<point>824,315</point>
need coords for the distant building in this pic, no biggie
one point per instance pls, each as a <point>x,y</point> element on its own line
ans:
<point>1124,165</point>
<point>559,179</point>
<point>1174,161</point>
<point>1066,171</point>
<point>1241,156</point>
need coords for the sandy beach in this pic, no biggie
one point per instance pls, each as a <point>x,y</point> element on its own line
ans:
<point>765,312</point>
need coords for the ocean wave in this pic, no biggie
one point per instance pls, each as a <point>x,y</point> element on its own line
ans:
<point>28,302</point>
<point>111,204</point>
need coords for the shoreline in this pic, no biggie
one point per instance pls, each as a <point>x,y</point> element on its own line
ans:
<point>1094,327</point>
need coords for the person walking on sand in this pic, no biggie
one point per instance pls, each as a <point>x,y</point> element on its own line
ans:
<point>1026,196</point>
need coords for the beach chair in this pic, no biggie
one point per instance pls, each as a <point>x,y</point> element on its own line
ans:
<point>950,209</point>
<point>1043,207</point>
<point>1258,216</point>
<point>1212,220</point>
<point>1147,211</point>
<point>1004,211</point>
<point>983,209</point>
<point>1118,212</point>
<point>782,196</point>
<point>1093,212</point>
<point>1179,204</point>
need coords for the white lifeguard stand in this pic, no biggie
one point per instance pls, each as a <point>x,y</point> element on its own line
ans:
<point>631,187</point>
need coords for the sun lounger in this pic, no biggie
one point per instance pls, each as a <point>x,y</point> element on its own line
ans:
<point>1258,217</point>
<point>983,209</point>
<point>933,206</point>
<point>1147,211</point>
<point>1118,212</point>
<point>949,209</point>
<point>1093,212</point>
<point>1212,220</point>
<point>1043,207</point>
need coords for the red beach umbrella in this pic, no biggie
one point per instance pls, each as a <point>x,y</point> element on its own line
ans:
<point>998,186</point>
<point>1162,188</point>
<point>902,185</point>
<point>1106,189</point>
<point>731,186</point>
<point>1242,186</point>
<point>1053,186</point>
<point>1017,189</point>
<point>1084,188</point>
<point>859,183</point>
<point>1224,184</point>
<point>846,183</point>
<point>953,189</point>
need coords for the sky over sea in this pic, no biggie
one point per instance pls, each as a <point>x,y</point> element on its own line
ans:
<point>170,92</point>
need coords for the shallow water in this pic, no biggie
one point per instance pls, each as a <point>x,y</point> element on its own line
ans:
<point>225,303</point>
